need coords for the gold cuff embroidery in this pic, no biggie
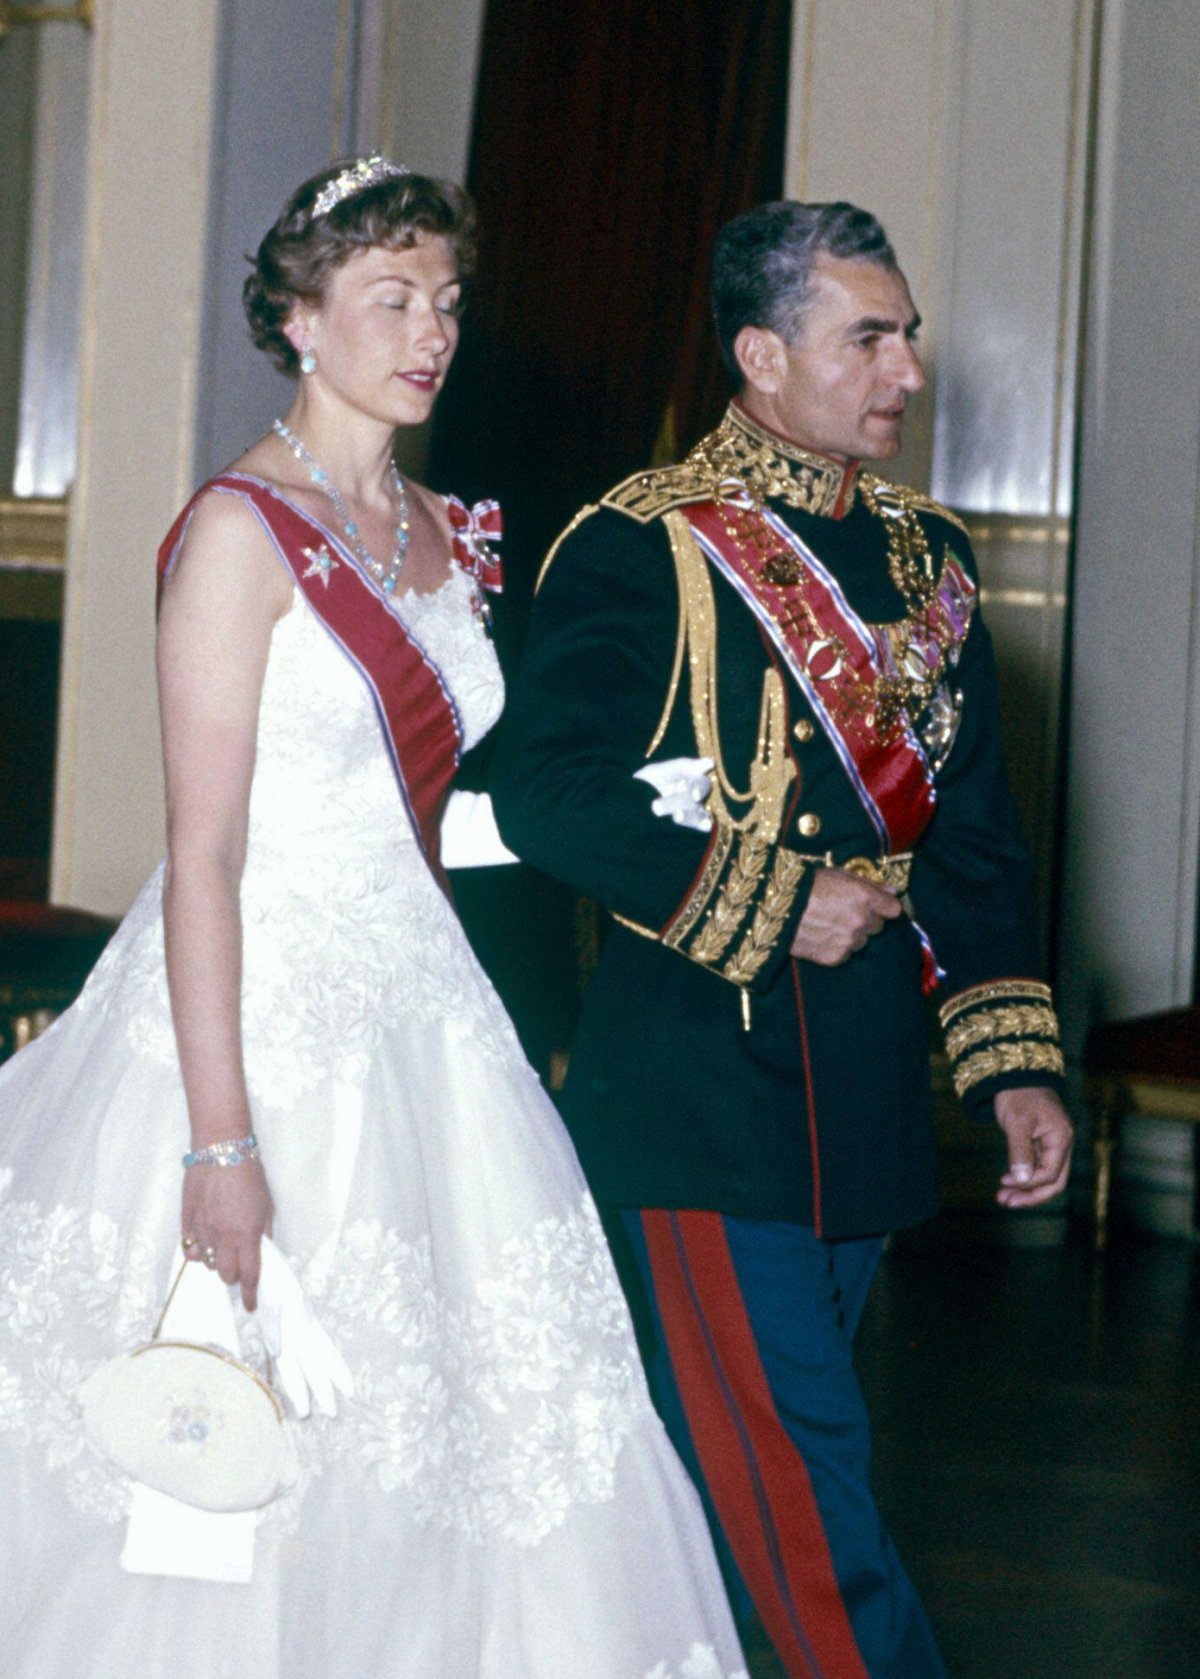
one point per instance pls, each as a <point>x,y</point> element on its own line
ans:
<point>772,912</point>
<point>730,909</point>
<point>702,891</point>
<point>1016,1010</point>
<point>996,991</point>
<point>1015,1020</point>
<point>1007,1058</point>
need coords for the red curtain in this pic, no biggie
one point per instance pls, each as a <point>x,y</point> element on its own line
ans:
<point>612,138</point>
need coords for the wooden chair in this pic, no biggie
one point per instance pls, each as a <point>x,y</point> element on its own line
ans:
<point>1150,1067</point>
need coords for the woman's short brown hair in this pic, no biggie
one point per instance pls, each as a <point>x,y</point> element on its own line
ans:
<point>299,254</point>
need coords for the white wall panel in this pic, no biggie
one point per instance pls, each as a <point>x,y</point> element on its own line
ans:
<point>1134,788</point>
<point>279,117</point>
<point>1006,348</point>
<point>872,109</point>
<point>45,458</point>
<point>18,86</point>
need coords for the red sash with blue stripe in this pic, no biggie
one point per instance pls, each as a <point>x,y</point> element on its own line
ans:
<point>836,657</point>
<point>419,718</point>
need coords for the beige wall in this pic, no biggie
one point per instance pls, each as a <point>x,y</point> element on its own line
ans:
<point>870,121</point>
<point>420,104</point>
<point>204,115</point>
<point>153,65</point>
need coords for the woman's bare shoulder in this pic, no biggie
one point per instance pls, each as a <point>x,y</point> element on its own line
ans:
<point>226,546</point>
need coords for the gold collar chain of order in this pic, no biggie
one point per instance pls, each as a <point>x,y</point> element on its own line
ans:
<point>910,563</point>
<point>771,467</point>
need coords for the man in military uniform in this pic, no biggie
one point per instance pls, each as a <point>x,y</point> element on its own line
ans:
<point>789,652</point>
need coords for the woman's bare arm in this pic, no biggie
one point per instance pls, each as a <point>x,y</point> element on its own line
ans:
<point>225,594</point>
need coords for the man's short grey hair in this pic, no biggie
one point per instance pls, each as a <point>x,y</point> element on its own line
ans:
<point>763,262</point>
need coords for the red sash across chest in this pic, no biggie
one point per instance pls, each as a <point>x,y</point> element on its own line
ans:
<point>418,715</point>
<point>836,658</point>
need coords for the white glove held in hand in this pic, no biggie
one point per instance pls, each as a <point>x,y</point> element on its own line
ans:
<point>309,1368</point>
<point>682,784</point>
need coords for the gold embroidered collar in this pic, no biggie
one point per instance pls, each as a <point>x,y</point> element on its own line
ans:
<point>772,466</point>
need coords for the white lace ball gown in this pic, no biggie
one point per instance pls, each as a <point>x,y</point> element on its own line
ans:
<point>498,1501</point>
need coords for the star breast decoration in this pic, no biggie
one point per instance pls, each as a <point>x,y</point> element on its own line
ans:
<point>320,563</point>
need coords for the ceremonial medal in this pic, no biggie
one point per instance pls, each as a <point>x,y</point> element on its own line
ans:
<point>784,570</point>
<point>320,563</point>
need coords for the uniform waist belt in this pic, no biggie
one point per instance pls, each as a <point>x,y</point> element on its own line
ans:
<point>893,871</point>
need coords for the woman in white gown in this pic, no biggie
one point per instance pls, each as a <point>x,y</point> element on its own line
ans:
<point>497,1498</point>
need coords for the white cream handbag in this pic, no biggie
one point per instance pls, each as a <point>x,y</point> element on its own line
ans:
<point>191,1420</point>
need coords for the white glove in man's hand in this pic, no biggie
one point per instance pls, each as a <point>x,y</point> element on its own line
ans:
<point>682,785</point>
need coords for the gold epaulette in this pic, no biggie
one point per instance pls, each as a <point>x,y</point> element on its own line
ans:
<point>915,501</point>
<point>644,496</point>
<point>648,495</point>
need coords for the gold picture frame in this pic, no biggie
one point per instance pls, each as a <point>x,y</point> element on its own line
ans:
<point>33,533</point>
<point>33,556</point>
<point>80,12</point>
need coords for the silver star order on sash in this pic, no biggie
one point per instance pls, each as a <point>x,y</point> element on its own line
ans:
<point>320,563</point>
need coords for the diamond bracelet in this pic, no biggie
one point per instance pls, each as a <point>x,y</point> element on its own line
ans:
<point>229,1153</point>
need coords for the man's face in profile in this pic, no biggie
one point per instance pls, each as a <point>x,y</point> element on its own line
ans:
<point>841,389</point>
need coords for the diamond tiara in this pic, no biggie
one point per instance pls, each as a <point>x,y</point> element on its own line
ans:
<point>364,172</point>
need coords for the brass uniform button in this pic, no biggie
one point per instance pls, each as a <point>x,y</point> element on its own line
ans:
<point>803,730</point>
<point>809,825</point>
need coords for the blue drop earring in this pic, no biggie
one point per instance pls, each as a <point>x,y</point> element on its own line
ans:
<point>308,362</point>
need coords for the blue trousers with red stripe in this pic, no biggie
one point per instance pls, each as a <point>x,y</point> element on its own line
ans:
<point>750,1363</point>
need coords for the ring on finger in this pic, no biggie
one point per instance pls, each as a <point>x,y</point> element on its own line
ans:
<point>209,1256</point>
<point>190,1242</point>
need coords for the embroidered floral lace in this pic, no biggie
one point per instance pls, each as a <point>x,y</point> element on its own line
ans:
<point>500,1438</point>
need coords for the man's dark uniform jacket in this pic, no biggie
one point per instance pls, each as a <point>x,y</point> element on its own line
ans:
<point>711,1068</point>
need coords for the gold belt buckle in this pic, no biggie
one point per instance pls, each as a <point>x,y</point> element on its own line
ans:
<point>893,871</point>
